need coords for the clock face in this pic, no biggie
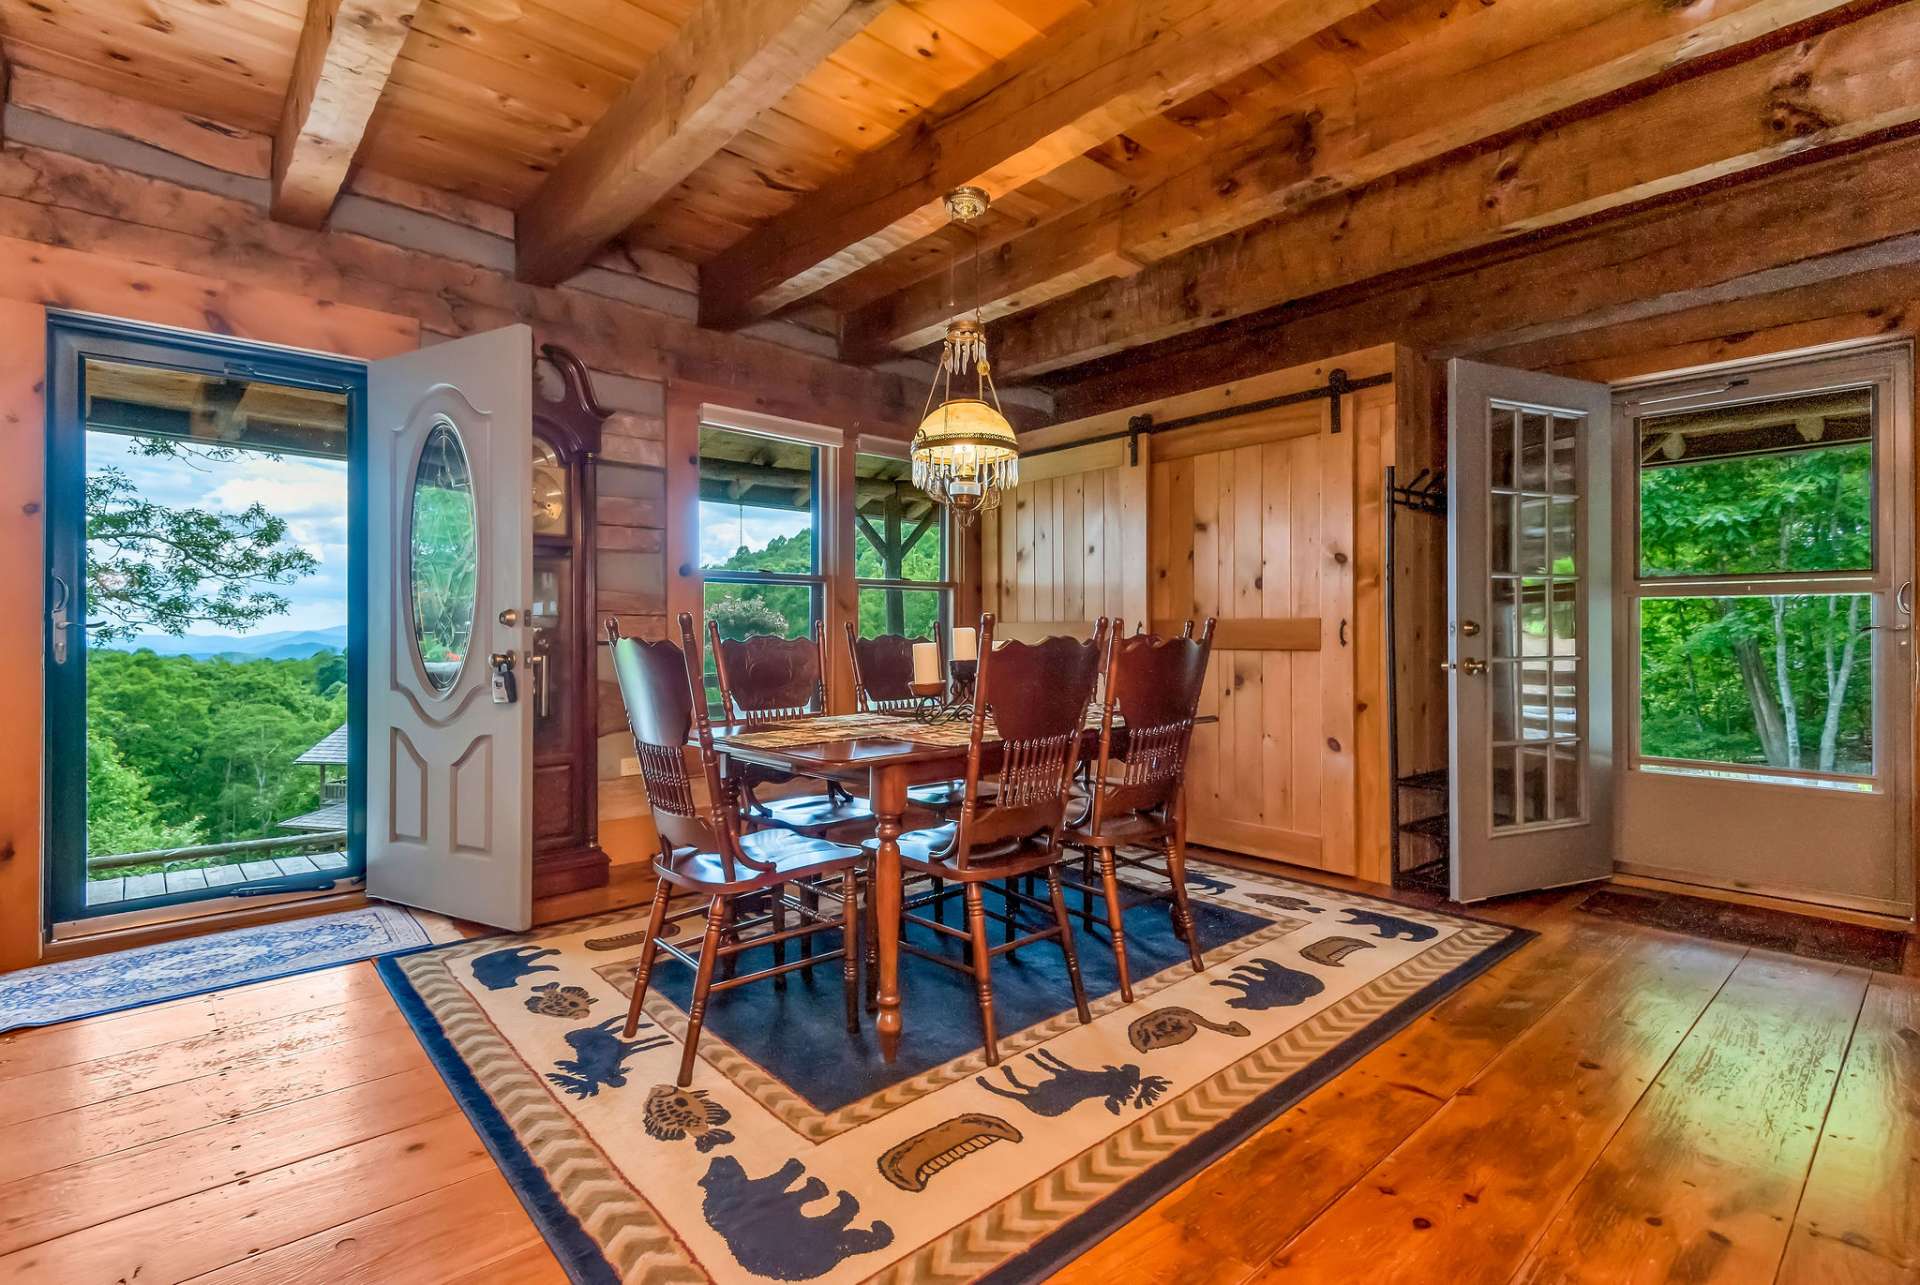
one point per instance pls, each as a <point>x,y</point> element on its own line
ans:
<point>549,491</point>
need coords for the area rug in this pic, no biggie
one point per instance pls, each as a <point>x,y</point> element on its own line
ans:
<point>1829,940</point>
<point>799,1154</point>
<point>176,969</point>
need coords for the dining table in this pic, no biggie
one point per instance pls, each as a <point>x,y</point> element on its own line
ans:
<point>882,754</point>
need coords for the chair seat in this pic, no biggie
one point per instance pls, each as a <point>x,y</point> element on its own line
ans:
<point>813,812</point>
<point>791,856</point>
<point>1129,827</point>
<point>940,794</point>
<point>928,850</point>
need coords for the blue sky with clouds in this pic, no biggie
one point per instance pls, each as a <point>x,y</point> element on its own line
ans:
<point>311,494</point>
<point>724,528</point>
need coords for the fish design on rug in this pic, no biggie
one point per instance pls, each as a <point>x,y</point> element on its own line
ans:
<point>1067,1086</point>
<point>1281,902</point>
<point>1387,927</point>
<point>1264,984</point>
<point>621,941</point>
<point>1165,1027</point>
<point>763,1222</point>
<point>673,1113</point>
<point>501,970</point>
<point>908,1165</point>
<point>599,1058</point>
<point>1331,950</point>
<point>555,1000</point>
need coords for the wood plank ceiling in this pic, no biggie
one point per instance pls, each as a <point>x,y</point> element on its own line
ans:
<point>1158,166</point>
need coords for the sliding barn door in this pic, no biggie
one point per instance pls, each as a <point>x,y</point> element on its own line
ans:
<point>1251,521</point>
<point>1069,544</point>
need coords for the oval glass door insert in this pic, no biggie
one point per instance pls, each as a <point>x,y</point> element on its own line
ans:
<point>444,557</point>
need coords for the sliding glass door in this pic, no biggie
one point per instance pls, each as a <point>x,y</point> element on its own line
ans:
<point>203,620</point>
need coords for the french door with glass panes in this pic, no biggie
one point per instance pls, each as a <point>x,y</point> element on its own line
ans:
<point>1528,655</point>
<point>1765,639</point>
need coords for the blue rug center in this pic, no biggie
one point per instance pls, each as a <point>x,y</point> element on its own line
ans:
<point>800,1036</point>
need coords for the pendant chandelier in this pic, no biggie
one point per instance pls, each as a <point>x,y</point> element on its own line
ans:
<point>964,453</point>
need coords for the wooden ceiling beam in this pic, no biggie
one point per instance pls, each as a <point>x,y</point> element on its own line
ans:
<point>1786,232</point>
<point>1095,77</point>
<point>1500,69</point>
<point>1824,91</point>
<point>731,61</point>
<point>346,52</point>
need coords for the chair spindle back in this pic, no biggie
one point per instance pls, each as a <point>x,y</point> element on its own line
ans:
<point>1154,686</point>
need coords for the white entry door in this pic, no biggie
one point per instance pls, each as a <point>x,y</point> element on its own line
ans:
<point>1530,650</point>
<point>450,537</point>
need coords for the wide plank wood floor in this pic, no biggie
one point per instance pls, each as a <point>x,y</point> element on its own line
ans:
<point>1612,1103</point>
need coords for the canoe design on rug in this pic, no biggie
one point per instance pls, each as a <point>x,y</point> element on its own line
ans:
<point>819,1160</point>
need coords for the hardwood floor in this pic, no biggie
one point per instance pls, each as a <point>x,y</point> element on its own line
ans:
<point>1613,1103</point>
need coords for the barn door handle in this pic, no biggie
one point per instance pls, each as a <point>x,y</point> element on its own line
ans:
<point>1343,631</point>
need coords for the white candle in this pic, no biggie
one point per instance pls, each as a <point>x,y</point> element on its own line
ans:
<point>926,663</point>
<point>966,645</point>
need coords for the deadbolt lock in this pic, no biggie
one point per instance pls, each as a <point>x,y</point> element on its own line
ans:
<point>1469,627</point>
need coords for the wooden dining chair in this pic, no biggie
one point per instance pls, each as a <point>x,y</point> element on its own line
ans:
<point>1033,700</point>
<point>765,679</point>
<point>882,682</point>
<point>705,859</point>
<point>1134,814</point>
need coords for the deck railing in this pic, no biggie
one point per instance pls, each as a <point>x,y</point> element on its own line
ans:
<point>292,844</point>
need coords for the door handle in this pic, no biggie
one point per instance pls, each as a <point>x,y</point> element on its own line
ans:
<point>1468,666</point>
<point>61,621</point>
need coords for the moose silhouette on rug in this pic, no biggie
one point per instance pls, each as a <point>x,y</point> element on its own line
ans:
<point>1263,984</point>
<point>600,1058</point>
<point>763,1222</point>
<point>1067,1086</point>
<point>1387,927</point>
<point>501,970</point>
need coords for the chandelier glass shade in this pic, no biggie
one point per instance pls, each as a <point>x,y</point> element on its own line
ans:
<point>964,452</point>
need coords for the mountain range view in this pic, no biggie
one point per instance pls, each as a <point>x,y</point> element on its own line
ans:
<point>293,644</point>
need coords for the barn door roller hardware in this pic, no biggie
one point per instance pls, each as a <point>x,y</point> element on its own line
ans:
<point>1338,385</point>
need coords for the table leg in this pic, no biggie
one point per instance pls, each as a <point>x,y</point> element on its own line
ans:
<point>887,789</point>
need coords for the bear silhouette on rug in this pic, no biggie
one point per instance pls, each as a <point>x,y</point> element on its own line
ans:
<point>1387,927</point>
<point>501,970</point>
<point>1067,1086</point>
<point>1264,984</point>
<point>600,1058</point>
<point>764,1223</point>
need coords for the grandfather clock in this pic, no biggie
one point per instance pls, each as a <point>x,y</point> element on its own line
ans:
<point>561,669</point>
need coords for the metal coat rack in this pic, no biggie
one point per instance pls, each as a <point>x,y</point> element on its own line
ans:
<point>1424,493</point>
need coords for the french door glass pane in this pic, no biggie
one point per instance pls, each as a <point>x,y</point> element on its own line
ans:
<point>1783,681</point>
<point>1536,684</point>
<point>1777,486</point>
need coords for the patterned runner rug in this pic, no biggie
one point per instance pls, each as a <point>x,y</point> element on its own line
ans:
<point>194,965</point>
<point>798,1154</point>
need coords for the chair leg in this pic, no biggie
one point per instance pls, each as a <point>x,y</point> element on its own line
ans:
<point>939,904</point>
<point>850,947</point>
<point>732,965</point>
<point>1008,929</point>
<point>1182,909</point>
<point>1066,943</point>
<point>1086,883</point>
<point>810,898</point>
<point>982,970</point>
<point>871,952</point>
<point>719,915</point>
<point>644,973</point>
<point>779,909</point>
<point>1116,924</point>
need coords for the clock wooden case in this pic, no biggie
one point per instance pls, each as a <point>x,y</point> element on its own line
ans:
<point>560,637</point>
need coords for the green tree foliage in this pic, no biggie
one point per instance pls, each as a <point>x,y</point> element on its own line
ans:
<point>1781,679</point>
<point>151,568</point>
<point>793,555</point>
<point>183,750</point>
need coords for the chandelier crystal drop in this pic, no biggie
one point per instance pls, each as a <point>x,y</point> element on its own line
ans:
<point>964,453</point>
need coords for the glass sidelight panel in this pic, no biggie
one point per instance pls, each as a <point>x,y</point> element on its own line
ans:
<point>1537,688</point>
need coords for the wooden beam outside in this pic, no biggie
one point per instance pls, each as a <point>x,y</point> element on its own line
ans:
<point>731,60</point>
<point>1498,71</point>
<point>1807,99</point>
<point>347,50</point>
<point>1842,216</point>
<point>1094,78</point>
